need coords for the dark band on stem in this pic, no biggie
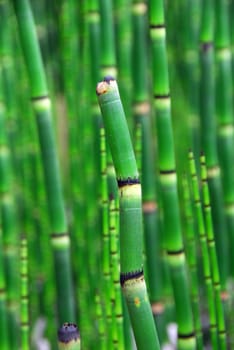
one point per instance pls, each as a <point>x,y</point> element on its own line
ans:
<point>128,181</point>
<point>59,234</point>
<point>129,276</point>
<point>161,97</point>
<point>175,252</point>
<point>186,336</point>
<point>167,172</point>
<point>24,275</point>
<point>157,26</point>
<point>38,98</point>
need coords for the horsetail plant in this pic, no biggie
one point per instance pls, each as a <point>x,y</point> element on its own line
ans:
<point>224,114</point>
<point>191,255</point>
<point>213,257</point>
<point>9,229</point>
<point>108,67</point>
<point>42,108</point>
<point>106,270</point>
<point>24,295</point>
<point>116,297</point>
<point>142,118</point>
<point>209,136</point>
<point>3,300</point>
<point>168,179</point>
<point>206,266</point>
<point>131,273</point>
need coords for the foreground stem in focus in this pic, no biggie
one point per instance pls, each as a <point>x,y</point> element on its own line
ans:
<point>131,277</point>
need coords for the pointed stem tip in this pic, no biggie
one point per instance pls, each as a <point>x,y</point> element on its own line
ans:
<point>105,85</point>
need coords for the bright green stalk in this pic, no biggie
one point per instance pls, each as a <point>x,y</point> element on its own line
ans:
<point>224,112</point>
<point>9,230</point>
<point>69,337</point>
<point>206,265</point>
<point>108,67</point>
<point>191,75</point>
<point>70,67</point>
<point>114,261</point>
<point>108,55</point>
<point>213,257</point>
<point>42,109</point>
<point>93,27</point>
<point>24,295</point>
<point>209,137</point>
<point>99,312</point>
<point>4,341</point>
<point>106,240</point>
<point>123,27</point>
<point>131,273</point>
<point>168,179</point>
<point>142,117</point>
<point>191,255</point>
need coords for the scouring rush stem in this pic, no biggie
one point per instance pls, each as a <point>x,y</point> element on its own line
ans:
<point>191,255</point>
<point>107,283</point>
<point>168,178</point>
<point>203,243</point>
<point>69,337</point>
<point>43,111</point>
<point>9,226</point>
<point>143,123</point>
<point>131,259</point>
<point>222,341</point>
<point>24,296</point>
<point>224,114</point>
<point>209,138</point>
<point>108,67</point>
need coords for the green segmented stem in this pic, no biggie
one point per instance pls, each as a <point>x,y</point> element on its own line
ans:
<point>209,137</point>
<point>168,178</point>
<point>105,230</point>
<point>106,239</point>
<point>114,269</point>
<point>132,278</point>
<point>213,257</point>
<point>191,61</point>
<point>206,266</point>
<point>191,255</point>
<point>142,117</point>
<point>69,337</point>
<point>4,342</point>
<point>24,295</point>
<point>42,109</point>
<point>108,55</point>
<point>9,228</point>
<point>108,67</point>
<point>102,341</point>
<point>224,112</point>
<point>123,31</point>
<point>114,260</point>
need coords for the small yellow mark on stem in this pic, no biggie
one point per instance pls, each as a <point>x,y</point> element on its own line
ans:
<point>137,301</point>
